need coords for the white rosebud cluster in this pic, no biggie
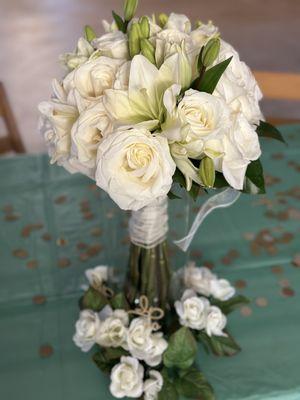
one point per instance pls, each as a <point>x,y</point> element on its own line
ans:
<point>120,121</point>
<point>204,282</point>
<point>197,313</point>
<point>112,328</point>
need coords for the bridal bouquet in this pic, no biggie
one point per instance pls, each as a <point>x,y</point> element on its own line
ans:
<point>152,104</point>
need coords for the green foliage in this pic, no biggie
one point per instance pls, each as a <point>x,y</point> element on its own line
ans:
<point>192,384</point>
<point>89,33</point>
<point>148,50</point>
<point>254,182</point>
<point>134,37</point>
<point>265,129</point>
<point>207,172</point>
<point>182,349</point>
<point>219,345</point>
<point>168,391</point>
<point>122,25</point>
<point>212,76</point>
<point>210,52</point>
<point>130,7</point>
<point>230,305</point>
<point>119,301</point>
<point>173,196</point>
<point>107,358</point>
<point>93,300</point>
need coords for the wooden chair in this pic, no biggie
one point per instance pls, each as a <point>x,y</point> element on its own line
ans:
<point>279,86</point>
<point>13,141</point>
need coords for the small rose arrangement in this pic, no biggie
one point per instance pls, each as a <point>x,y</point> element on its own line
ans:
<point>150,353</point>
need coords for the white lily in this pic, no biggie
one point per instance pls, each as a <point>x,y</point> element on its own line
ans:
<point>142,103</point>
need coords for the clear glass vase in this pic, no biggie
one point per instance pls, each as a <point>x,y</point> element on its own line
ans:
<point>149,270</point>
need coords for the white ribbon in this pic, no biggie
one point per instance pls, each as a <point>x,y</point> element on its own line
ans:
<point>220,200</point>
<point>148,226</point>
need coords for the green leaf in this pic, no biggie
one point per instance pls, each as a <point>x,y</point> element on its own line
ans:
<point>254,182</point>
<point>182,349</point>
<point>194,191</point>
<point>122,26</point>
<point>89,33</point>
<point>212,76</point>
<point>168,391</point>
<point>193,384</point>
<point>107,358</point>
<point>220,181</point>
<point>93,300</point>
<point>179,178</point>
<point>220,345</point>
<point>230,305</point>
<point>265,129</point>
<point>119,301</point>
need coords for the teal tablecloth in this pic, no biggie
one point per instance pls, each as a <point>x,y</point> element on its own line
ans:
<point>53,226</point>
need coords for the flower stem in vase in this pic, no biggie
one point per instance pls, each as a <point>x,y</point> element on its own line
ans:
<point>148,270</point>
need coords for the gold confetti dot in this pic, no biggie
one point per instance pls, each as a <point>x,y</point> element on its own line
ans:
<point>277,269</point>
<point>12,217</point>
<point>46,237</point>
<point>81,246</point>
<point>261,302</point>
<point>94,250</point>
<point>60,199</point>
<point>196,254</point>
<point>88,215</point>
<point>63,262</point>
<point>240,284</point>
<point>61,242</point>
<point>20,253</point>
<point>83,257</point>
<point>296,260</point>
<point>39,299</point>
<point>288,292</point>
<point>208,264</point>
<point>233,253</point>
<point>245,311</point>
<point>284,283</point>
<point>226,260</point>
<point>45,351</point>
<point>110,214</point>
<point>32,264</point>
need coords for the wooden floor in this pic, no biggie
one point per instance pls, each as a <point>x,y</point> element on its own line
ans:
<point>34,32</point>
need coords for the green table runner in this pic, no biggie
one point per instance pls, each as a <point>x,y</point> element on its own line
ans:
<point>53,226</point>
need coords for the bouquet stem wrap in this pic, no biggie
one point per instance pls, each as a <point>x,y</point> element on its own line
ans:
<point>148,269</point>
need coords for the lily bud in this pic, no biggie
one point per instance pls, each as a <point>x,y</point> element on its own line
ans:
<point>134,39</point>
<point>210,51</point>
<point>89,33</point>
<point>162,19</point>
<point>207,172</point>
<point>145,27</point>
<point>130,7</point>
<point>148,50</point>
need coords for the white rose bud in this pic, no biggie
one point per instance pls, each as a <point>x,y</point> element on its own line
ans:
<point>153,385</point>
<point>215,322</point>
<point>127,378</point>
<point>113,44</point>
<point>87,328</point>
<point>113,328</point>
<point>199,279</point>
<point>97,276</point>
<point>221,289</point>
<point>143,344</point>
<point>134,167</point>
<point>192,310</point>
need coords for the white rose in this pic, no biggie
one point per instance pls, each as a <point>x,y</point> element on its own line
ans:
<point>143,344</point>
<point>127,378</point>
<point>87,328</point>
<point>82,53</point>
<point>92,78</point>
<point>134,167</point>
<point>153,385</point>
<point>122,76</point>
<point>199,279</point>
<point>57,119</point>
<point>113,44</point>
<point>113,329</point>
<point>97,276</point>
<point>215,322</point>
<point>203,115</point>
<point>179,22</point>
<point>221,289</point>
<point>87,132</point>
<point>192,310</point>
<point>245,138</point>
<point>238,85</point>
